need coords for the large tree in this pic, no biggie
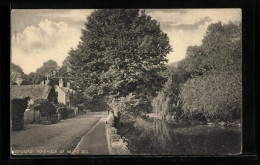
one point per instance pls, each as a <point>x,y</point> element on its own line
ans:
<point>16,74</point>
<point>121,52</point>
<point>215,89</point>
<point>65,70</point>
<point>33,79</point>
<point>47,67</point>
<point>221,50</point>
<point>208,81</point>
<point>41,73</point>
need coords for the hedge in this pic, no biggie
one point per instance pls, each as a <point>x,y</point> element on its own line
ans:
<point>18,109</point>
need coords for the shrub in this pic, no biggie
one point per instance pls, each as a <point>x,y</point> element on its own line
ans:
<point>70,112</point>
<point>64,111</point>
<point>215,95</point>
<point>18,109</point>
<point>54,119</point>
<point>46,108</point>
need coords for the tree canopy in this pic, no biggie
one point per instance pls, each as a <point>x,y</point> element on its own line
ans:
<point>209,80</point>
<point>41,73</point>
<point>16,74</point>
<point>221,50</point>
<point>121,52</point>
<point>215,89</point>
<point>47,67</point>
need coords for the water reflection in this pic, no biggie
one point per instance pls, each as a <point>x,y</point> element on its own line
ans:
<point>155,136</point>
<point>161,132</point>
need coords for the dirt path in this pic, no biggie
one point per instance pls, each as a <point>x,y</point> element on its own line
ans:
<point>56,139</point>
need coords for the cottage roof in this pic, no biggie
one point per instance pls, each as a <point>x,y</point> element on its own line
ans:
<point>34,91</point>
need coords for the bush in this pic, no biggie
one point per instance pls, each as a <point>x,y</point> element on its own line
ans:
<point>81,107</point>
<point>18,109</point>
<point>54,119</point>
<point>64,111</point>
<point>71,112</point>
<point>46,108</point>
<point>216,95</point>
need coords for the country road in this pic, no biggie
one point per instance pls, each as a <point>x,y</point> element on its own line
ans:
<point>55,139</point>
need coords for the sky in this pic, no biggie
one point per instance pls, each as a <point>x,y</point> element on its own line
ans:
<point>44,34</point>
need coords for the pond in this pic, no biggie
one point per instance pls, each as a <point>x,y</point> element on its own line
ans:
<point>146,136</point>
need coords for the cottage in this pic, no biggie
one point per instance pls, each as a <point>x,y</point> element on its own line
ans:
<point>65,94</point>
<point>35,92</point>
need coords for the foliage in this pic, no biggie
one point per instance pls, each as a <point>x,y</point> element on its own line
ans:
<point>162,104</point>
<point>32,79</point>
<point>215,95</point>
<point>81,107</point>
<point>79,98</point>
<point>95,105</point>
<point>64,71</point>
<point>221,50</point>
<point>53,96</point>
<point>16,74</point>
<point>45,107</point>
<point>175,79</point>
<point>215,90</point>
<point>208,81</point>
<point>37,77</point>
<point>19,105</point>
<point>223,47</point>
<point>167,100</point>
<point>47,67</point>
<point>18,109</point>
<point>130,105</point>
<point>121,52</point>
<point>63,110</point>
<point>192,62</point>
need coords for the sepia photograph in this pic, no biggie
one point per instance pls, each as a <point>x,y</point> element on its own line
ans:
<point>126,82</point>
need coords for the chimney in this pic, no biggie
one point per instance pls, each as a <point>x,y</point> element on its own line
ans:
<point>60,82</point>
<point>68,84</point>
<point>47,81</point>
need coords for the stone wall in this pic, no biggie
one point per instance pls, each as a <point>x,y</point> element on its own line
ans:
<point>116,145</point>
